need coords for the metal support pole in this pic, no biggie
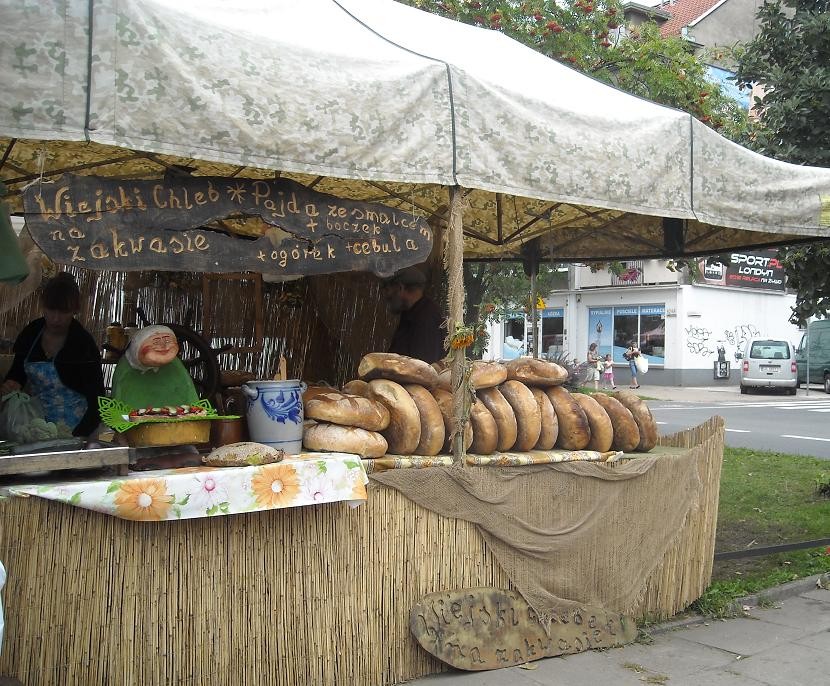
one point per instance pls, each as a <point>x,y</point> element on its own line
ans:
<point>807,338</point>
<point>533,314</point>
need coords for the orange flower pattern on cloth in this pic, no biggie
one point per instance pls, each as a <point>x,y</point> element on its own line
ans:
<point>275,485</point>
<point>173,494</point>
<point>143,500</point>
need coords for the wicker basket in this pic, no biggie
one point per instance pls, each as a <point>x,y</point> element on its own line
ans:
<point>159,434</point>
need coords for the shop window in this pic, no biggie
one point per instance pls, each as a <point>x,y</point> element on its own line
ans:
<point>613,328</point>
<point>553,332</point>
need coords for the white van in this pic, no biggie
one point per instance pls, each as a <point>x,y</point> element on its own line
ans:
<point>769,364</point>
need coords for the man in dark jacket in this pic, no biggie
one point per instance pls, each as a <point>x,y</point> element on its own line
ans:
<point>420,331</point>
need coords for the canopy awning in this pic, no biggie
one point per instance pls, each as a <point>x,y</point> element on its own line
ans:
<point>375,101</point>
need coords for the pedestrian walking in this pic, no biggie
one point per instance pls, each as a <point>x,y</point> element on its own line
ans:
<point>630,355</point>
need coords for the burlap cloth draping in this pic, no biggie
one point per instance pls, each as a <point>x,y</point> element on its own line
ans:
<point>622,519</point>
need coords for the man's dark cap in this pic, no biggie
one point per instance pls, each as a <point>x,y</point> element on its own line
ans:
<point>409,276</point>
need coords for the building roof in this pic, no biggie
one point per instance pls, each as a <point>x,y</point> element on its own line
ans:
<point>683,13</point>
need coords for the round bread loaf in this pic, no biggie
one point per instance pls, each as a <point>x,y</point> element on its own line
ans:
<point>314,391</point>
<point>243,454</point>
<point>550,425</point>
<point>441,365</point>
<point>528,416</point>
<point>398,368</point>
<point>357,387</point>
<point>533,372</point>
<point>626,433</point>
<point>503,414</point>
<point>485,430</point>
<point>642,415</point>
<point>444,400</point>
<point>602,430</point>
<point>574,430</point>
<point>348,410</point>
<point>344,439</point>
<point>432,421</point>
<point>482,375</point>
<point>404,430</point>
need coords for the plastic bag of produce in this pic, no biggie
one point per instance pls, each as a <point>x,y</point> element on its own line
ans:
<point>21,419</point>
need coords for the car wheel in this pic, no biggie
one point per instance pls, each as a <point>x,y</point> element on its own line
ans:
<point>827,383</point>
<point>792,391</point>
<point>743,390</point>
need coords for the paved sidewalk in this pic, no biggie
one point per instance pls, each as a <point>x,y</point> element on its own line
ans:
<point>709,394</point>
<point>785,645</point>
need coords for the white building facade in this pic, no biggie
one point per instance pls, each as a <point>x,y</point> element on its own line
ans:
<point>679,326</point>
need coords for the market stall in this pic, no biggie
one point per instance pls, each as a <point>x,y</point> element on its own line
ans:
<point>142,165</point>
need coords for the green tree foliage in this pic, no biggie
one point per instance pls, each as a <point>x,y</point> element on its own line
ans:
<point>506,286</point>
<point>790,58</point>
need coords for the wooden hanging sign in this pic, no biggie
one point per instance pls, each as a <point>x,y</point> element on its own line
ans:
<point>124,225</point>
<point>486,628</point>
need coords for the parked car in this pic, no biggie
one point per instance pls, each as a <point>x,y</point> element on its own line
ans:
<point>818,335</point>
<point>769,364</point>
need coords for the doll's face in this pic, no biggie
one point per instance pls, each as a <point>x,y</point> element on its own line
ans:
<point>158,350</point>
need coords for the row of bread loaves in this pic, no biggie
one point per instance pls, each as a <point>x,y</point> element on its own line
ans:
<point>403,406</point>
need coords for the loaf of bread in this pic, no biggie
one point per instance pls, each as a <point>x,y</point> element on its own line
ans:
<point>528,416</point>
<point>503,414</point>
<point>533,372</point>
<point>404,431</point>
<point>244,454</point>
<point>441,365</point>
<point>444,399</point>
<point>314,391</point>
<point>397,368</point>
<point>485,431</point>
<point>348,410</point>
<point>344,439</point>
<point>357,387</point>
<point>602,430</point>
<point>642,415</point>
<point>432,421</point>
<point>482,375</point>
<point>626,432</point>
<point>550,424</point>
<point>574,430</point>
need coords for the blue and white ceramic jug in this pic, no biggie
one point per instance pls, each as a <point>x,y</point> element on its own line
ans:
<point>275,413</point>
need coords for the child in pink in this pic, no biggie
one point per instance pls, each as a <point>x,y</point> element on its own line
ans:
<point>608,373</point>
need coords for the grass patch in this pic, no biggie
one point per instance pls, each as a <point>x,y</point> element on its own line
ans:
<point>766,499</point>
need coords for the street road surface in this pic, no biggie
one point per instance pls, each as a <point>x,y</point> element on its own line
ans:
<point>780,423</point>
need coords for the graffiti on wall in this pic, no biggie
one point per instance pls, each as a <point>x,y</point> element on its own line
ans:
<point>699,338</point>
<point>740,334</point>
<point>697,341</point>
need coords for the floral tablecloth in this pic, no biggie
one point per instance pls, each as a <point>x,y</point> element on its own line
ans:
<point>194,492</point>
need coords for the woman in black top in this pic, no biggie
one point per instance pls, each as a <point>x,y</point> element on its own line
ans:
<point>58,360</point>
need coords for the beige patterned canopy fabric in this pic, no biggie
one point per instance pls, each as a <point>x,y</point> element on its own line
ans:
<point>372,100</point>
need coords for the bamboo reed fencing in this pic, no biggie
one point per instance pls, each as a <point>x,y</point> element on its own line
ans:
<point>322,324</point>
<point>313,595</point>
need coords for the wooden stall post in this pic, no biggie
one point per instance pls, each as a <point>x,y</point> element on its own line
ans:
<point>454,264</point>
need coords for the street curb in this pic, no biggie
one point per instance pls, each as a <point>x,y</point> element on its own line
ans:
<point>776,593</point>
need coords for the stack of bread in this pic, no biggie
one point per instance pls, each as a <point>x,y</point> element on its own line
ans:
<point>403,406</point>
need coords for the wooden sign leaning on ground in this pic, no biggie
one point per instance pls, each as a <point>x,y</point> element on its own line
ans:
<point>486,628</point>
<point>175,224</point>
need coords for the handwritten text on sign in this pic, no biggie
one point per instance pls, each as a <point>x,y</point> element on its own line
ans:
<point>123,225</point>
<point>487,628</point>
